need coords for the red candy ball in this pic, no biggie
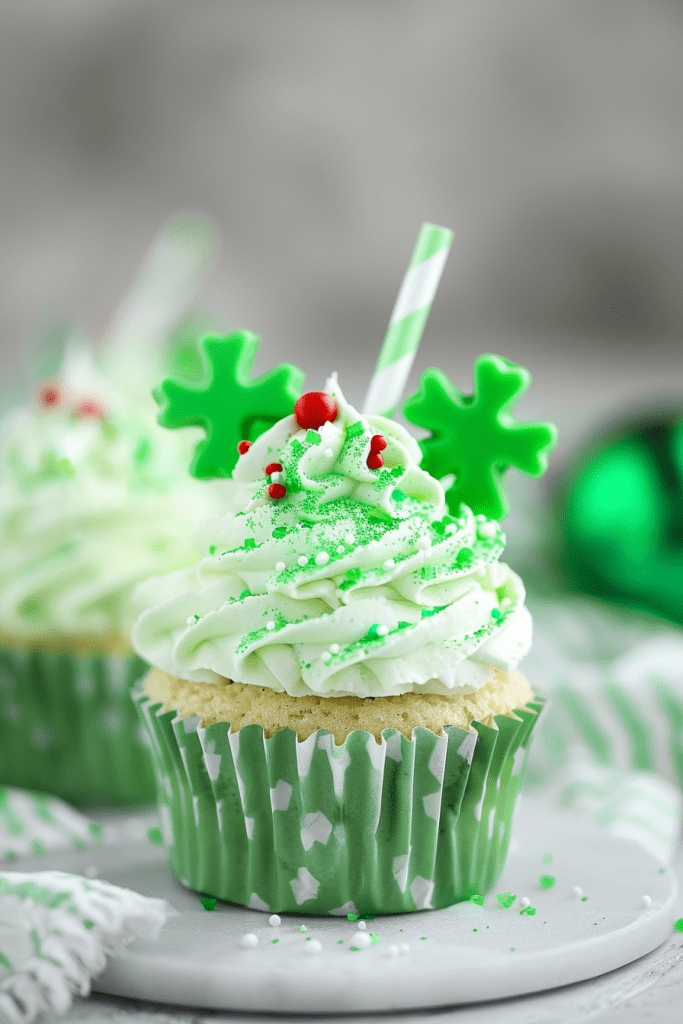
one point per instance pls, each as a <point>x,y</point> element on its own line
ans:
<point>243,447</point>
<point>377,443</point>
<point>315,408</point>
<point>50,395</point>
<point>273,467</point>
<point>277,490</point>
<point>375,460</point>
<point>89,408</point>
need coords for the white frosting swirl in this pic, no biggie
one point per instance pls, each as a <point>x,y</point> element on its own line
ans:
<point>89,505</point>
<point>357,582</point>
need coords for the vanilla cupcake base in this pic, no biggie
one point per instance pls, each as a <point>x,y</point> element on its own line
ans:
<point>259,815</point>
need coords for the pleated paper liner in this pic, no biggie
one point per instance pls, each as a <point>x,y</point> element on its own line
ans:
<point>284,825</point>
<point>68,727</point>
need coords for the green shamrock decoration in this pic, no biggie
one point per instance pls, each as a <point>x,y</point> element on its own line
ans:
<point>476,437</point>
<point>229,404</point>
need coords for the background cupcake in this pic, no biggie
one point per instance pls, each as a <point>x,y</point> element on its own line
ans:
<point>336,721</point>
<point>92,500</point>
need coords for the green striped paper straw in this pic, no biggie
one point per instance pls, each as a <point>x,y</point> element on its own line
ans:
<point>408,320</point>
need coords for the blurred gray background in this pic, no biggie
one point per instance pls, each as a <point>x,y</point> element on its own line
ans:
<point>319,135</point>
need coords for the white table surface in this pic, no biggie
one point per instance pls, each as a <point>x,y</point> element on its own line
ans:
<point>648,990</point>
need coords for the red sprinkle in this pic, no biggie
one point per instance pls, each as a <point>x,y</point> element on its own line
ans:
<point>243,447</point>
<point>50,395</point>
<point>273,467</point>
<point>375,460</point>
<point>315,408</point>
<point>377,443</point>
<point>89,408</point>
<point>277,490</point>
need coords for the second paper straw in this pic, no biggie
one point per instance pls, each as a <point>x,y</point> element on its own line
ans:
<point>408,320</point>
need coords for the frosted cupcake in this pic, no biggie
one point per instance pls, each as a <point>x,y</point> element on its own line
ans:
<point>336,718</point>
<point>91,502</point>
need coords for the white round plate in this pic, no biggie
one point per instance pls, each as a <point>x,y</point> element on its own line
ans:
<point>467,953</point>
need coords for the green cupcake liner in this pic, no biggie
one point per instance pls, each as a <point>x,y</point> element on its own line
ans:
<point>284,825</point>
<point>68,727</point>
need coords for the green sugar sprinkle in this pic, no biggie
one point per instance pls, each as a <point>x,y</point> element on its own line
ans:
<point>273,941</point>
<point>142,453</point>
<point>354,949</point>
<point>530,911</point>
<point>352,917</point>
<point>94,829</point>
<point>374,938</point>
<point>583,899</point>
<point>495,613</point>
<point>245,593</point>
<point>340,942</point>
<point>212,549</point>
<point>279,532</point>
<point>678,926</point>
<point>313,437</point>
<point>355,429</point>
<point>477,898</point>
<point>249,543</point>
<point>208,902</point>
<point>506,899</point>
<point>154,835</point>
<point>398,495</point>
<point>662,871</point>
<point>546,881</point>
<point>303,928</point>
<point>547,858</point>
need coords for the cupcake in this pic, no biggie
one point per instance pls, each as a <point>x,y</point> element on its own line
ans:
<point>91,502</point>
<point>336,720</point>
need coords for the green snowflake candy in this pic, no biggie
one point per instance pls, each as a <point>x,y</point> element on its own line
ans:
<point>475,437</point>
<point>229,404</point>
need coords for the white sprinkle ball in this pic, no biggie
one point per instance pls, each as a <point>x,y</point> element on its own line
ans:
<point>362,926</point>
<point>404,947</point>
<point>322,558</point>
<point>274,920</point>
<point>249,941</point>
<point>302,560</point>
<point>390,563</point>
<point>326,657</point>
<point>481,518</point>
<point>190,620</point>
<point>328,453</point>
<point>277,478</point>
<point>577,891</point>
<point>423,543</point>
<point>348,538</point>
<point>451,528</point>
<point>646,901</point>
<point>334,648</point>
<point>374,544</point>
<point>280,566</point>
<point>362,940</point>
<point>525,902</point>
<point>270,626</point>
<point>394,950</point>
<point>506,602</point>
<point>340,549</point>
<point>91,871</point>
<point>382,630</point>
<point>487,530</point>
<point>313,946</point>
